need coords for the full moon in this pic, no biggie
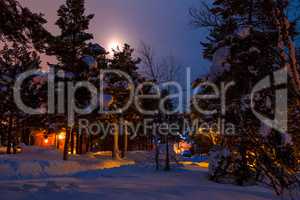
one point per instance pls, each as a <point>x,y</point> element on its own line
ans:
<point>114,44</point>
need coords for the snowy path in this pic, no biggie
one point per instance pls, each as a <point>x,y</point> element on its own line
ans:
<point>130,182</point>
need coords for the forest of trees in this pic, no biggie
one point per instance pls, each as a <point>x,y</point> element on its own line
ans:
<point>248,41</point>
<point>25,38</point>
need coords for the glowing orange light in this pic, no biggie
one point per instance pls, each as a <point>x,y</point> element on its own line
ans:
<point>61,136</point>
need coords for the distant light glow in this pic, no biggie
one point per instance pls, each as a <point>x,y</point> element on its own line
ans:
<point>114,44</point>
<point>61,136</point>
<point>46,141</point>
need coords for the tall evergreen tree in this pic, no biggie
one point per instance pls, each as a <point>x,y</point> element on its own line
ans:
<point>70,46</point>
<point>120,89</point>
<point>19,24</point>
<point>20,29</point>
<point>246,45</point>
<point>15,60</point>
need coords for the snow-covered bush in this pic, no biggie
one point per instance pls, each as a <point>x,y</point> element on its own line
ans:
<point>218,162</point>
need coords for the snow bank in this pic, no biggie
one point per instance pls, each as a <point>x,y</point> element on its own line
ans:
<point>132,182</point>
<point>96,48</point>
<point>197,160</point>
<point>37,162</point>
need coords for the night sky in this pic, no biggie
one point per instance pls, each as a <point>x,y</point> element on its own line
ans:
<point>162,24</point>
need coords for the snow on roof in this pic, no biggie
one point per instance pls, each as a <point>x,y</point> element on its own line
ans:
<point>90,61</point>
<point>96,48</point>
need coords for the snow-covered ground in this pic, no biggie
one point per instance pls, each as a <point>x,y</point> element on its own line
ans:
<point>35,162</point>
<point>134,181</point>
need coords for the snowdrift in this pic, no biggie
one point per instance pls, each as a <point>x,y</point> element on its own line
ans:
<point>37,162</point>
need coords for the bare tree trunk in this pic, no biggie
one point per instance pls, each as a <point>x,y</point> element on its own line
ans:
<point>88,142</point>
<point>66,146</point>
<point>293,65</point>
<point>77,142</point>
<point>15,138</point>
<point>80,147</point>
<point>167,166</point>
<point>242,179</point>
<point>9,135</point>
<point>2,135</point>
<point>14,146</point>
<point>91,142</point>
<point>116,151</point>
<point>125,142</point>
<point>288,59</point>
<point>72,140</point>
<point>156,153</point>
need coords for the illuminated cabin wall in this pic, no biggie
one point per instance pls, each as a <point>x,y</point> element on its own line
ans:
<point>42,141</point>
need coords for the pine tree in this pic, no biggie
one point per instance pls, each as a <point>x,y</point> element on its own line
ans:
<point>14,60</point>
<point>20,30</point>
<point>70,46</point>
<point>94,60</point>
<point>244,48</point>
<point>120,89</point>
<point>19,24</point>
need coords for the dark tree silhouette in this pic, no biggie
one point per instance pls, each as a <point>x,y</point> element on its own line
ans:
<point>69,47</point>
<point>248,41</point>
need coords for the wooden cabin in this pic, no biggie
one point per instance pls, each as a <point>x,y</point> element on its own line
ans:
<point>50,140</point>
<point>57,140</point>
